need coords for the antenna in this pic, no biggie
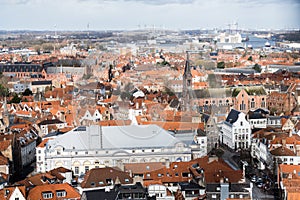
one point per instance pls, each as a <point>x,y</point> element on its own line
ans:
<point>55,36</point>
<point>88,27</point>
<point>55,30</point>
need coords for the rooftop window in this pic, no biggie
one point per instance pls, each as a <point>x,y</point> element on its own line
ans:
<point>47,195</point>
<point>60,193</point>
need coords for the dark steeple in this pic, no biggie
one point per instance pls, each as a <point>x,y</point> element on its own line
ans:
<point>187,68</point>
<point>187,85</point>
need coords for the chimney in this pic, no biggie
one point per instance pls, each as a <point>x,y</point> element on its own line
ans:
<point>224,193</point>
<point>136,105</point>
<point>212,158</point>
<point>107,189</point>
<point>167,163</point>
<point>283,142</point>
<point>291,133</point>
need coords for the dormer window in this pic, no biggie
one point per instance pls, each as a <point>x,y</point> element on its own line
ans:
<point>47,195</point>
<point>108,181</point>
<point>60,193</point>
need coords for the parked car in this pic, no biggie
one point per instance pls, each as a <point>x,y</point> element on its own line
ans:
<point>260,184</point>
<point>254,178</point>
<point>259,180</point>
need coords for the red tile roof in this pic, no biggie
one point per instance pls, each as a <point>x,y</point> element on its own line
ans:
<point>6,192</point>
<point>37,192</point>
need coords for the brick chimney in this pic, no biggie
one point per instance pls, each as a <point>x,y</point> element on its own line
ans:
<point>283,142</point>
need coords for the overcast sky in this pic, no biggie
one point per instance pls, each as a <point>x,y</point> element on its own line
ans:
<point>132,14</point>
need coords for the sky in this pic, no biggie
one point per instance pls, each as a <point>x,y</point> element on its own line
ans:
<point>160,14</point>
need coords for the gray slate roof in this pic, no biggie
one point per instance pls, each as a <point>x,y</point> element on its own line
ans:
<point>232,116</point>
<point>115,137</point>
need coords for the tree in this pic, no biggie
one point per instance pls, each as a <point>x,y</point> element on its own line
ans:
<point>221,65</point>
<point>15,99</point>
<point>257,68</point>
<point>125,95</point>
<point>3,91</point>
<point>250,58</point>
<point>27,92</point>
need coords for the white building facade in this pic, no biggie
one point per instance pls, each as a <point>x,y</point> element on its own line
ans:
<point>85,148</point>
<point>236,131</point>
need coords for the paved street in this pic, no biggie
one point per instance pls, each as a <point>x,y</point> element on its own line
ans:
<point>258,194</point>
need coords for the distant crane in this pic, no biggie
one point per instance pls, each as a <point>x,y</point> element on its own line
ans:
<point>55,36</point>
<point>232,26</point>
<point>88,27</point>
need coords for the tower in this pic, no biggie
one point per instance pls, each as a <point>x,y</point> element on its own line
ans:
<point>187,85</point>
<point>5,114</point>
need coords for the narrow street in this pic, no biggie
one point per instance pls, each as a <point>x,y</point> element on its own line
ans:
<point>258,194</point>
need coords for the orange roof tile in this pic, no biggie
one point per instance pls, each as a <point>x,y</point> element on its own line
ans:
<point>4,145</point>
<point>11,189</point>
<point>36,192</point>
<point>43,143</point>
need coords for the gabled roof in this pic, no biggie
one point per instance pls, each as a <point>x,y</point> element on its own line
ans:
<point>4,145</point>
<point>37,192</point>
<point>232,116</point>
<point>100,194</point>
<point>41,82</point>
<point>6,192</point>
<point>137,168</point>
<point>98,177</point>
<point>50,121</point>
<point>113,193</point>
<point>254,90</point>
<point>213,171</point>
<point>3,160</point>
<point>282,151</point>
<point>256,115</point>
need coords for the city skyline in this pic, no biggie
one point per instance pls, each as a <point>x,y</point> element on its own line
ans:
<point>80,15</point>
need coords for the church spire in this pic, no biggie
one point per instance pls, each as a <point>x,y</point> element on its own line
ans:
<point>187,85</point>
<point>187,68</point>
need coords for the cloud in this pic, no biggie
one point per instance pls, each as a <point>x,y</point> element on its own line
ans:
<point>264,2</point>
<point>13,2</point>
<point>150,2</point>
<point>163,2</point>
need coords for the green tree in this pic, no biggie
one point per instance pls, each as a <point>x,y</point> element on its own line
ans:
<point>3,91</point>
<point>15,99</point>
<point>257,68</point>
<point>27,92</point>
<point>221,65</point>
<point>125,95</point>
<point>250,58</point>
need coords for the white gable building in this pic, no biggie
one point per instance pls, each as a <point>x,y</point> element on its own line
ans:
<point>236,131</point>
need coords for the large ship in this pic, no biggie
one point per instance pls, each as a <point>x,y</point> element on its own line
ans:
<point>228,40</point>
<point>267,44</point>
<point>245,39</point>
